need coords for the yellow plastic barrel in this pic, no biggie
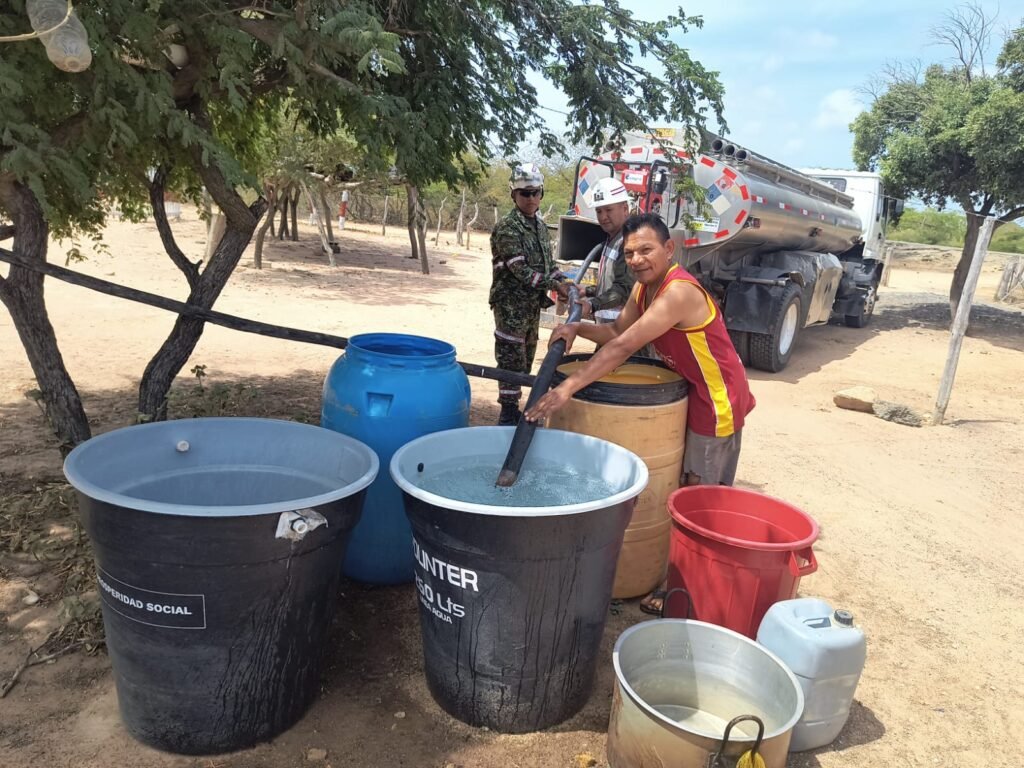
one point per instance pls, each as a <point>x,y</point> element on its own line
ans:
<point>642,407</point>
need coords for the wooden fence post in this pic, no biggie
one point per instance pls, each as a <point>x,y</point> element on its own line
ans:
<point>963,313</point>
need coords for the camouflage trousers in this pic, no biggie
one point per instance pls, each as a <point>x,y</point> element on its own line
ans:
<point>515,344</point>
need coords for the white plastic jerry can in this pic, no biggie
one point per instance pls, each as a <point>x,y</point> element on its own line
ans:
<point>826,652</point>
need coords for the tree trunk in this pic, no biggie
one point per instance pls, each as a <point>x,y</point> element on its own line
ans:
<point>440,211</point>
<point>268,223</point>
<point>282,230</point>
<point>294,204</point>
<point>411,197</point>
<point>462,217</point>
<point>325,244</point>
<point>384,221</point>
<point>157,192</point>
<point>240,224</point>
<point>328,217</point>
<point>22,293</point>
<point>421,232</point>
<point>418,227</point>
<point>963,266</point>
<point>214,232</point>
<point>469,226</point>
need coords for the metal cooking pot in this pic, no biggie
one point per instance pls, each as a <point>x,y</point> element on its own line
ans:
<point>679,684</point>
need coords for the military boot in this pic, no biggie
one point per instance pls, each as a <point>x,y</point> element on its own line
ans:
<point>510,415</point>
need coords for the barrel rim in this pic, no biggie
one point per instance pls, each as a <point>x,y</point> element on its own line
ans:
<point>680,519</point>
<point>99,442</point>
<point>442,502</point>
<point>673,725</point>
<point>609,393</point>
<point>444,349</point>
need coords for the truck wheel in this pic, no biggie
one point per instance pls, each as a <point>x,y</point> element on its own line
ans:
<point>867,309</point>
<point>771,351</point>
<point>741,340</point>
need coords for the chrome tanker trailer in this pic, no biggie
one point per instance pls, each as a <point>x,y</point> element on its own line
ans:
<point>779,249</point>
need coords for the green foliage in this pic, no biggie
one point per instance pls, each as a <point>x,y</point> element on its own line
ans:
<point>949,228</point>
<point>492,187</point>
<point>1008,239</point>
<point>465,97</point>
<point>433,87</point>
<point>82,141</point>
<point>1011,60</point>
<point>931,227</point>
<point>949,136</point>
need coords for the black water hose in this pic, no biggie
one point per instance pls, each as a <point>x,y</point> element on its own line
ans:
<point>524,430</point>
<point>228,321</point>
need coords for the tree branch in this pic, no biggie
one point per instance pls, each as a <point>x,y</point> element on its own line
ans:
<point>267,33</point>
<point>323,71</point>
<point>402,31</point>
<point>968,31</point>
<point>156,199</point>
<point>1016,213</point>
<point>217,184</point>
<point>260,29</point>
<point>7,231</point>
<point>69,130</point>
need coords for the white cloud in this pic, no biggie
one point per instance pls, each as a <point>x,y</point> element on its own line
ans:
<point>773,63</point>
<point>838,109</point>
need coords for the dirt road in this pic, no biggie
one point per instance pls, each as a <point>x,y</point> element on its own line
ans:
<point>921,534</point>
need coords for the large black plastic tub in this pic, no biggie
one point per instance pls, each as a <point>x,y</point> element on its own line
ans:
<point>218,546</point>
<point>513,600</point>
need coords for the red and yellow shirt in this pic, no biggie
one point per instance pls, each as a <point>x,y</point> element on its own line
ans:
<point>720,397</point>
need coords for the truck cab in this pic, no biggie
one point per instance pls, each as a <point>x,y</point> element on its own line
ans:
<point>870,204</point>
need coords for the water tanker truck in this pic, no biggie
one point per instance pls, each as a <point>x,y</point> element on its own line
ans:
<point>780,249</point>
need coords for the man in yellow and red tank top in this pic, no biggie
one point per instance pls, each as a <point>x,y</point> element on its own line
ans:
<point>670,309</point>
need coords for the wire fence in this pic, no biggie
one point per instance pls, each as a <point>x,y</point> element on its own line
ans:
<point>478,213</point>
<point>392,209</point>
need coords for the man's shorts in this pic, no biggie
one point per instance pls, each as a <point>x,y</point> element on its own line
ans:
<point>712,459</point>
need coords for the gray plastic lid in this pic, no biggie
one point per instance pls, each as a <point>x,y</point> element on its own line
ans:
<point>843,618</point>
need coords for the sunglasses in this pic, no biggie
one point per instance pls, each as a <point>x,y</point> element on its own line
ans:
<point>529,192</point>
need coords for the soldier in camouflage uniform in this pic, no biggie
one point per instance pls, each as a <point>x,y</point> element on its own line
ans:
<point>523,273</point>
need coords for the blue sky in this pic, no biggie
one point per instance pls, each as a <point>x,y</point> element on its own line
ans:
<point>792,69</point>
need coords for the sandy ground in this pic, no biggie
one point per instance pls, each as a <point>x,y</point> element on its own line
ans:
<point>921,533</point>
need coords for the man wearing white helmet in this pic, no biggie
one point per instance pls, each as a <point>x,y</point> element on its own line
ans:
<point>523,272</point>
<point>614,280</point>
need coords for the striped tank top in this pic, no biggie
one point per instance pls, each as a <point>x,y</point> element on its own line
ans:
<point>720,397</point>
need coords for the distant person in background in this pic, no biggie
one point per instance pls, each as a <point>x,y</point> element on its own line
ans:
<point>670,309</point>
<point>523,272</point>
<point>610,200</point>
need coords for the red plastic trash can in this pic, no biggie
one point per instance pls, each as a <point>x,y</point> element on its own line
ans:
<point>737,553</point>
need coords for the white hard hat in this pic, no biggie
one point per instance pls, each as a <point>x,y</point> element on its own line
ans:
<point>526,176</point>
<point>607,192</point>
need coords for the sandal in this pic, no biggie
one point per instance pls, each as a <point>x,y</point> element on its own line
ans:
<point>654,602</point>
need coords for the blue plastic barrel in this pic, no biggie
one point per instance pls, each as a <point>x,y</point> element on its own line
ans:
<point>386,390</point>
